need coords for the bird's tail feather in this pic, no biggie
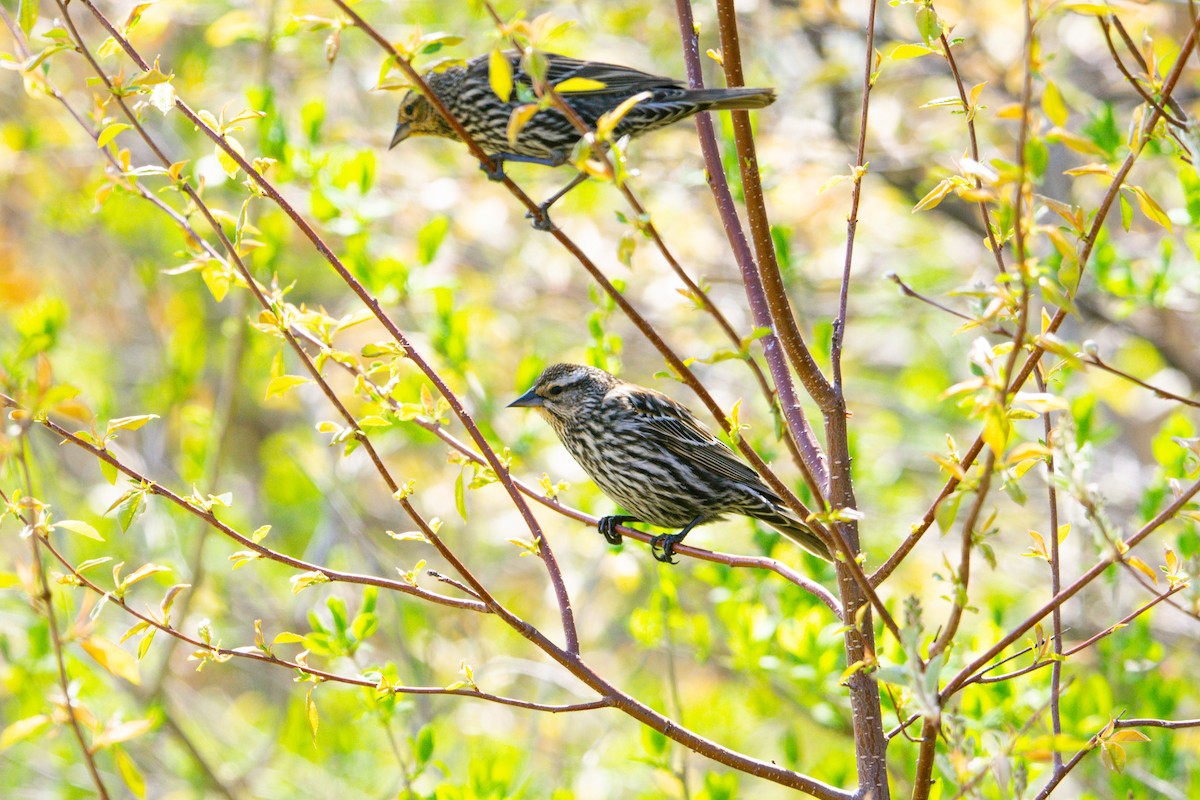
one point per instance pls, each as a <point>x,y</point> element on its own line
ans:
<point>740,98</point>
<point>794,529</point>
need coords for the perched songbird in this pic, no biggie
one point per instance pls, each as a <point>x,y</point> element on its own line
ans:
<point>548,137</point>
<point>653,457</point>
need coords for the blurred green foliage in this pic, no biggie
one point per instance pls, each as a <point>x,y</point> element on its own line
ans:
<point>106,308</point>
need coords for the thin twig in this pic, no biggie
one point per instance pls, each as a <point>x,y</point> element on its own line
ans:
<point>265,552</point>
<point>985,216</point>
<point>1096,361</point>
<point>963,577</point>
<point>305,669</point>
<point>1170,724</point>
<point>1055,580</point>
<point>46,598</point>
<point>1160,519</point>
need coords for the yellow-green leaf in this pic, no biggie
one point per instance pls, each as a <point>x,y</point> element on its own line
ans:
<point>1090,169</point>
<point>130,423</point>
<point>1088,8</point>
<point>304,580</point>
<point>80,527</point>
<point>143,572</point>
<point>1151,209</point>
<point>906,51</point>
<point>1053,105</point>
<point>935,196</point>
<point>996,428</point>
<point>1142,567</point>
<point>112,658</point>
<point>130,773</point>
<point>121,732</point>
<point>500,74</point>
<point>284,383</point>
<point>608,121</point>
<point>310,706</point>
<point>579,85</point>
<point>110,133</point>
<point>227,161</point>
<point>519,119</point>
<point>22,729</point>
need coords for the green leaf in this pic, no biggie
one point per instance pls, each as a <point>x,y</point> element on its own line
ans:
<point>1126,213</point>
<point>110,133</point>
<point>1053,105</point>
<point>27,15</point>
<point>80,527</point>
<point>430,238</point>
<point>460,495</point>
<point>423,749</point>
<point>128,507</point>
<point>130,773</point>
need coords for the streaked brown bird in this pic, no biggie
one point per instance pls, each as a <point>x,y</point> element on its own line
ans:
<point>652,456</point>
<point>548,137</point>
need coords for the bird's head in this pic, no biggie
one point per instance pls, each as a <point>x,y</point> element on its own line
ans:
<point>564,391</point>
<point>418,117</point>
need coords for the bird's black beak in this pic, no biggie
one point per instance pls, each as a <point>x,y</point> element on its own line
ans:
<point>530,399</point>
<point>401,133</point>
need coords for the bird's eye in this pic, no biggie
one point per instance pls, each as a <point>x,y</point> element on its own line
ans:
<point>410,107</point>
<point>554,391</point>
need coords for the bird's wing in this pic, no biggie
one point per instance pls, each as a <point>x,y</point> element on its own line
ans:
<point>615,79</point>
<point>678,430</point>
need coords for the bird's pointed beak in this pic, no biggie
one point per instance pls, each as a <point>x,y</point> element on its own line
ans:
<point>402,131</point>
<point>528,400</point>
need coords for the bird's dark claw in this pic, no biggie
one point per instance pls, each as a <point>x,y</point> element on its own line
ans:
<point>663,546</point>
<point>541,220</point>
<point>494,172</point>
<point>608,528</point>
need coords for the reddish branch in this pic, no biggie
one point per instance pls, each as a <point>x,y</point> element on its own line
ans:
<point>810,460</point>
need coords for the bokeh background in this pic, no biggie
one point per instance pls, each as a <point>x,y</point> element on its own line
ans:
<point>91,279</point>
